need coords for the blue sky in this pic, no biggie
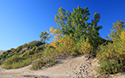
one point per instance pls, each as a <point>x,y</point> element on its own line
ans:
<point>22,21</point>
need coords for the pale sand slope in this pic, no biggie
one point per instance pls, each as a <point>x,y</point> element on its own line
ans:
<point>79,67</point>
<point>1,51</point>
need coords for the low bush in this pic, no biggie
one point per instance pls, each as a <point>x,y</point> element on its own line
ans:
<point>18,64</point>
<point>27,53</point>
<point>84,47</point>
<point>112,56</point>
<point>19,48</point>
<point>48,52</point>
<point>18,61</point>
<point>34,43</point>
<point>37,65</point>
<point>7,54</point>
<point>21,52</point>
<point>43,62</point>
<point>65,46</point>
<point>13,59</point>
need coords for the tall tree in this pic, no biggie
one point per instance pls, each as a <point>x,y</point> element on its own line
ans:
<point>75,23</point>
<point>93,31</point>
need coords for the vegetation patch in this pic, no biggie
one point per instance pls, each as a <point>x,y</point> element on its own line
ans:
<point>18,61</point>
<point>44,62</point>
<point>112,56</point>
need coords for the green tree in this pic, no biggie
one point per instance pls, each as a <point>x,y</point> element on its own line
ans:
<point>44,36</point>
<point>116,30</point>
<point>75,24</point>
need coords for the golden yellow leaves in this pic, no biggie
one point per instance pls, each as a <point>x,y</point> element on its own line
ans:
<point>122,36</point>
<point>114,23</point>
<point>109,35</point>
<point>51,28</point>
<point>107,54</point>
<point>53,31</point>
<point>57,37</point>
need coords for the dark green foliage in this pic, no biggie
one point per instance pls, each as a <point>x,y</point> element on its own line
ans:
<point>6,54</point>
<point>19,48</point>
<point>44,36</point>
<point>38,49</point>
<point>21,52</point>
<point>26,45</point>
<point>75,24</point>
<point>27,53</point>
<point>34,43</point>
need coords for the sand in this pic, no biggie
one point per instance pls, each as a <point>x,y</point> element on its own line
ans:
<point>71,67</point>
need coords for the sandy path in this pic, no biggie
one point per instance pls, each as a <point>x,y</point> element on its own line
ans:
<point>79,67</point>
<point>70,67</point>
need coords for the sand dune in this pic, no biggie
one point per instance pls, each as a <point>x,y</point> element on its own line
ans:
<point>78,67</point>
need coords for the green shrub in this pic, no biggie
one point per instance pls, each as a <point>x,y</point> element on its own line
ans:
<point>36,56</point>
<point>69,46</point>
<point>64,46</point>
<point>83,46</point>
<point>26,45</point>
<point>18,64</point>
<point>1,61</point>
<point>49,62</point>
<point>13,59</point>
<point>34,43</point>
<point>112,56</point>
<point>27,53</point>
<point>6,54</point>
<point>19,48</point>
<point>46,62</point>
<point>40,47</point>
<point>35,49</point>
<point>21,52</point>
<point>37,65</point>
<point>48,52</point>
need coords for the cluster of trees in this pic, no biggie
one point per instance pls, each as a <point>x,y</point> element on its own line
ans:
<point>76,35</point>
<point>73,35</point>
<point>76,24</point>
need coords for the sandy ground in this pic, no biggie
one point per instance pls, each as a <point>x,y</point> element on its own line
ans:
<point>1,52</point>
<point>78,67</point>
